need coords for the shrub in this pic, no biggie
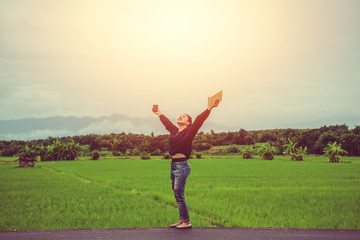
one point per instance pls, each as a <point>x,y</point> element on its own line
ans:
<point>268,156</point>
<point>10,151</point>
<point>30,151</point>
<point>333,151</point>
<point>117,153</point>
<point>216,152</point>
<point>295,153</point>
<point>233,149</point>
<point>128,152</point>
<point>58,151</point>
<point>247,151</point>
<point>95,155</point>
<point>249,140</point>
<point>324,139</point>
<point>157,152</point>
<point>198,155</point>
<point>266,136</point>
<point>267,152</point>
<point>204,147</point>
<point>300,153</point>
<point>167,156</point>
<point>145,156</point>
<point>135,152</point>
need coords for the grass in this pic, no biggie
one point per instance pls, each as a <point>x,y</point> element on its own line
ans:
<point>226,191</point>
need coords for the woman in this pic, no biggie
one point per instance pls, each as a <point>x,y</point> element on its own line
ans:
<point>180,146</point>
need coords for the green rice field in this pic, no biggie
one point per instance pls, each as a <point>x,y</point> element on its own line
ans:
<point>225,191</point>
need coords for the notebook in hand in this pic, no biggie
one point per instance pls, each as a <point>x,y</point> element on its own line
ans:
<point>213,98</point>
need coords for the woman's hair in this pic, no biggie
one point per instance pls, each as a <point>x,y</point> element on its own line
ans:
<point>189,118</point>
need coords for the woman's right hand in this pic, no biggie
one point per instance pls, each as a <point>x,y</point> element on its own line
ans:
<point>158,112</point>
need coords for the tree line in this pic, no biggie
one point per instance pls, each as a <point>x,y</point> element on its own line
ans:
<point>314,140</point>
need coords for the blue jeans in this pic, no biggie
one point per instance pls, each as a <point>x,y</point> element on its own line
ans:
<point>179,173</point>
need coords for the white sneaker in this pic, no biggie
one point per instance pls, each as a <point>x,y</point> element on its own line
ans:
<point>176,224</point>
<point>184,226</point>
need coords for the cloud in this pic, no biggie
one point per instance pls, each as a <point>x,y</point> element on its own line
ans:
<point>108,126</point>
<point>117,123</point>
<point>36,134</point>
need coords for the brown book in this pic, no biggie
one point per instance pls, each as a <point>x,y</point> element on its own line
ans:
<point>214,98</point>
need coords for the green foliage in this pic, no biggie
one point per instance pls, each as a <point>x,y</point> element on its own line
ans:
<point>135,152</point>
<point>294,152</point>
<point>145,156</point>
<point>59,151</point>
<point>247,151</point>
<point>117,153</point>
<point>300,153</point>
<point>249,140</point>
<point>241,137</point>
<point>314,140</point>
<point>333,151</point>
<point>128,152</point>
<point>144,146</point>
<point>324,139</point>
<point>233,149</point>
<point>157,152</point>
<point>95,155</point>
<point>290,149</point>
<point>29,150</point>
<point>356,130</point>
<point>10,150</point>
<point>267,152</point>
<point>266,136</point>
<point>202,146</point>
<point>351,142</point>
<point>120,143</point>
<point>167,156</point>
<point>198,155</point>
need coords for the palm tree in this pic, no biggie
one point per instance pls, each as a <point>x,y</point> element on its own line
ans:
<point>300,153</point>
<point>247,151</point>
<point>295,153</point>
<point>267,152</point>
<point>333,151</point>
<point>61,151</point>
<point>290,149</point>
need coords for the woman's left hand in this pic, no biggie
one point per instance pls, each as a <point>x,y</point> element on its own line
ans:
<point>216,104</point>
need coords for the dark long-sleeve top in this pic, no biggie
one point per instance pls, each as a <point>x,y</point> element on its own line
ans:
<point>181,142</point>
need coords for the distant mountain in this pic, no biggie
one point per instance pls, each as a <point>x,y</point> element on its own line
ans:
<point>40,128</point>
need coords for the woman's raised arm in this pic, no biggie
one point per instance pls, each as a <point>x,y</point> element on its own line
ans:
<point>200,119</point>
<point>166,122</point>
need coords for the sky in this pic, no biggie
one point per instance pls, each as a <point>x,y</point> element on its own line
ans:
<point>278,62</point>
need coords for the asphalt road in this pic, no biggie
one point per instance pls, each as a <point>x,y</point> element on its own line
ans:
<point>195,233</point>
